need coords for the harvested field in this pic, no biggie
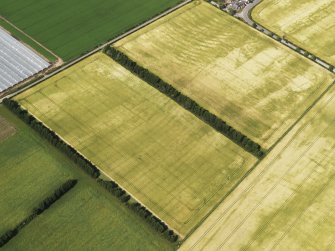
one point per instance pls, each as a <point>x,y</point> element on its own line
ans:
<point>255,84</point>
<point>172,162</point>
<point>32,169</point>
<point>288,202</point>
<point>307,23</point>
<point>71,28</point>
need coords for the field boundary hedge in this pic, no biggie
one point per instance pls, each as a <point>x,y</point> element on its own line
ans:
<point>90,169</point>
<point>186,102</point>
<point>139,209</point>
<point>44,205</point>
<point>53,138</point>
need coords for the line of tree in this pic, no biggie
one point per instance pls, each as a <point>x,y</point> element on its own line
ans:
<point>186,102</point>
<point>124,197</point>
<point>86,165</point>
<point>52,137</point>
<point>45,204</point>
<point>115,189</point>
<point>154,221</point>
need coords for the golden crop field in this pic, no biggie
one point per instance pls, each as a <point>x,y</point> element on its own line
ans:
<point>250,81</point>
<point>308,23</point>
<point>288,202</point>
<point>172,162</point>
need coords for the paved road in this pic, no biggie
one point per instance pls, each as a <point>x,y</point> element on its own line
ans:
<point>97,49</point>
<point>245,14</point>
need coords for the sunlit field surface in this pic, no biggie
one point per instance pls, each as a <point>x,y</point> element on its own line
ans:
<point>87,217</point>
<point>168,159</point>
<point>249,80</point>
<point>308,23</point>
<point>288,202</point>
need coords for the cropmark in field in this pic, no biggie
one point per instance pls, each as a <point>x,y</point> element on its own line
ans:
<point>168,159</point>
<point>30,170</point>
<point>307,23</point>
<point>255,84</point>
<point>288,202</point>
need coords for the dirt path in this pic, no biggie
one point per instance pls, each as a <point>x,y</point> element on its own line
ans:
<point>246,16</point>
<point>58,62</point>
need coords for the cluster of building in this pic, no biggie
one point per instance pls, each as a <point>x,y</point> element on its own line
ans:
<point>235,5</point>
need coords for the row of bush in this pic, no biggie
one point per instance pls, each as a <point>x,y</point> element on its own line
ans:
<point>52,137</point>
<point>86,165</point>
<point>189,104</point>
<point>115,189</point>
<point>45,204</point>
<point>298,49</point>
<point>124,197</point>
<point>154,221</point>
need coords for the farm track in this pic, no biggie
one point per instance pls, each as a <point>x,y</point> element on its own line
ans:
<point>10,95</point>
<point>252,182</point>
<point>246,16</point>
<point>302,116</point>
<point>158,117</point>
<point>320,62</point>
<point>59,60</point>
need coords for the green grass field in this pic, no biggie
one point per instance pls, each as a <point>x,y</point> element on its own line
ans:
<point>6,129</point>
<point>28,172</point>
<point>254,83</point>
<point>288,202</point>
<point>86,218</point>
<point>308,23</point>
<point>163,155</point>
<point>71,28</point>
<point>23,38</point>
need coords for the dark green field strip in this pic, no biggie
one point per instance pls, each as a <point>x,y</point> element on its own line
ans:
<point>23,38</point>
<point>71,28</point>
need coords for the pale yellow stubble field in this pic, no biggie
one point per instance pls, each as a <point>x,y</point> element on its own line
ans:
<point>255,84</point>
<point>172,162</point>
<point>308,23</point>
<point>288,202</point>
